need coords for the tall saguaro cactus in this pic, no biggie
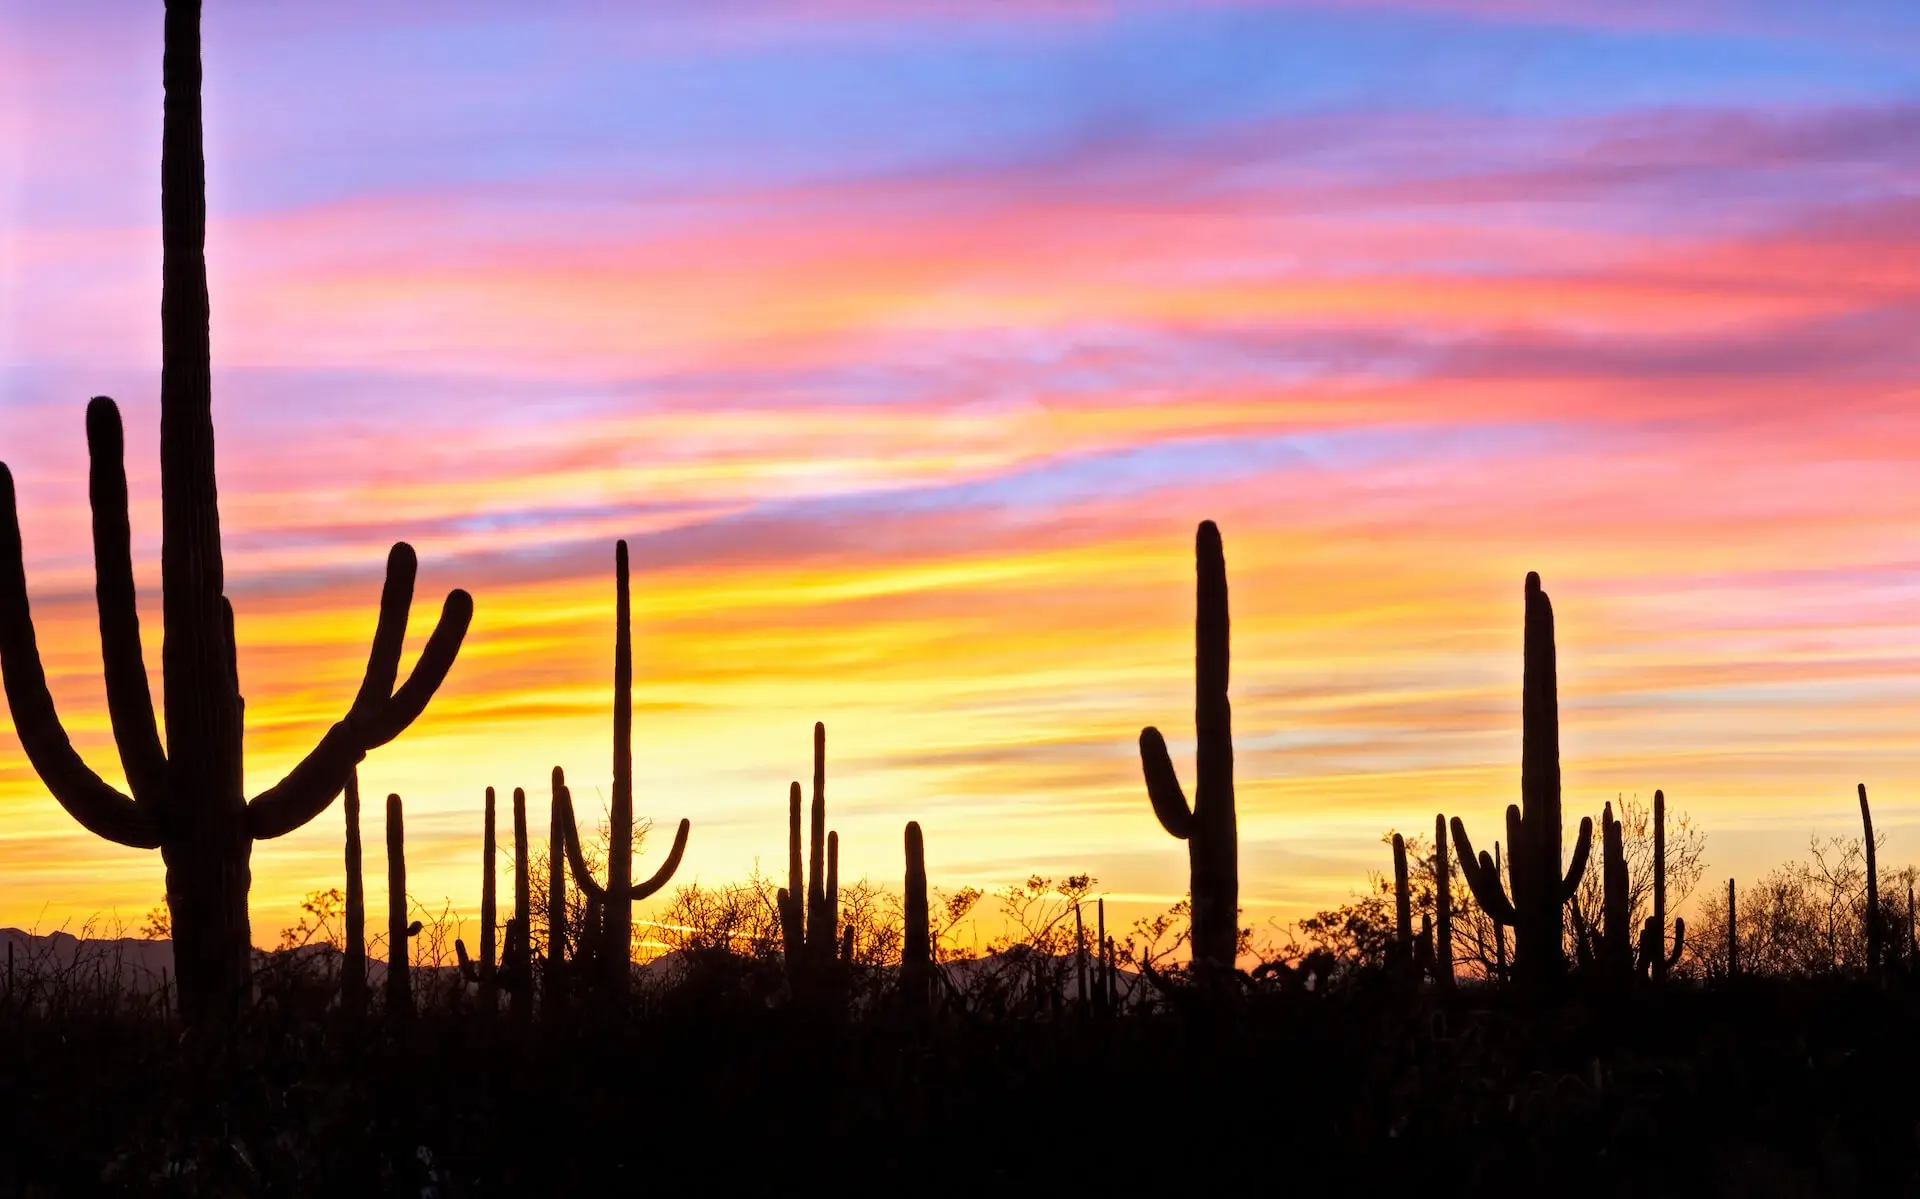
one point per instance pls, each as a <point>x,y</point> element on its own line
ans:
<point>186,797</point>
<point>1616,897</point>
<point>916,959</point>
<point>810,903</point>
<point>617,897</point>
<point>481,972</point>
<point>399,930</point>
<point>1655,957</point>
<point>1208,826</point>
<point>1876,941</point>
<point>1442,907</point>
<point>1539,892</point>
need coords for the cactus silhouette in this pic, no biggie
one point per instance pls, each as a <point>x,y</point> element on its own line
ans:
<point>186,797</point>
<point>1876,941</point>
<point>1400,954</point>
<point>399,931</point>
<point>1442,907</point>
<point>916,958</point>
<point>1733,936</point>
<point>553,980</point>
<point>807,926</point>
<point>353,965</point>
<point>1208,826</point>
<point>1539,891</point>
<point>615,900</point>
<point>1655,958</point>
<point>1617,944</point>
<point>515,976</point>
<point>481,972</point>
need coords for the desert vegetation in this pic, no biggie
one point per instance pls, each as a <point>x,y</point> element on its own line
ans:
<point>1523,1015</point>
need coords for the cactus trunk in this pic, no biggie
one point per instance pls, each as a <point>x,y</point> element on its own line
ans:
<point>353,964</point>
<point>553,980</point>
<point>1400,955</point>
<point>1209,826</point>
<point>1875,926</point>
<point>1618,935</point>
<point>489,912</point>
<point>399,984</point>
<point>1733,936</point>
<point>916,962</point>
<point>1442,907</point>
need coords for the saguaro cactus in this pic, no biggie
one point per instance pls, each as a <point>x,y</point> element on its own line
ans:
<point>916,959</point>
<point>1442,907</point>
<point>186,798</point>
<point>481,972</point>
<point>1617,939</point>
<point>399,930</point>
<point>1875,925</point>
<point>1401,954</point>
<point>1733,933</point>
<point>1539,891</point>
<point>808,928</point>
<point>516,962</point>
<point>617,897</point>
<point>353,963</point>
<point>553,979</point>
<point>1209,826</point>
<point>1655,957</point>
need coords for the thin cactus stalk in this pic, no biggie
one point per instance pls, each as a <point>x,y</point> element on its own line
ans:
<point>1423,957</point>
<point>516,963</point>
<point>1106,962</point>
<point>399,930</point>
<point>481,972</point>
<point>1733,938</point>
<point>808,926</point>
<point>186,798</point>
<point>1874,923</point>
<point>916,960</point>
<point>617,897</point>
<point>1617,898</point>
<point>1081,995</point>
<point>553,979</point>
<point>353,964</point>
<point>1209,826</point>
<point>1401,953</point>
<point>1442,907</point>
<point>1499,930</point>
<point>1537,890</point>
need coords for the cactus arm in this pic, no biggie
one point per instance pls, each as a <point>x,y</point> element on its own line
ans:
<point>99,808</point>
<point>793,925</point>
<point>378,715</point>
<point>1163,785</point>
<point>1679,940</point>
<point>1576,869</point>
<point>129,698</point>
<point>665,874</point>
<point>1483,878</point>
<point>576,860</point>
<point>467,971</point>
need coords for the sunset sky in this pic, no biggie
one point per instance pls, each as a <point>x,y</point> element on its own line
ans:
<point>907,342</point>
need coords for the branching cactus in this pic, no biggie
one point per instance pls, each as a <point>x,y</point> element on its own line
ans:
<point>186,797</point>
<point>1208,826</point>
<point>481,972</point>
<point>808,928</point>
<point>1655,957</point>
<point>399,930</point>
<point>916,960</point>
<point>353,964</point>
<point>1538,891</point>
<point>617,897</point>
